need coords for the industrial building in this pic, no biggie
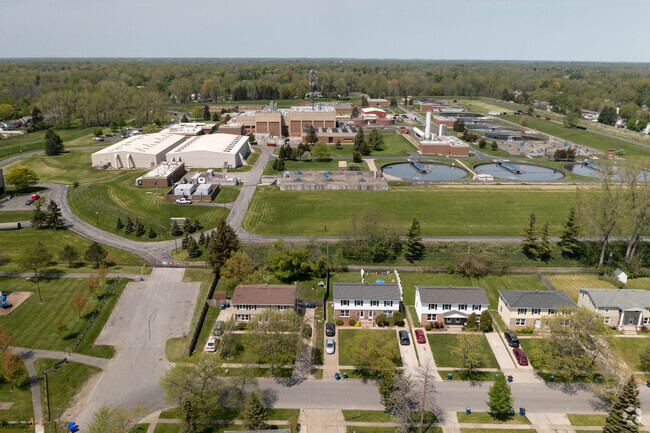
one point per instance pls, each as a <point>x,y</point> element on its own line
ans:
<point>215,150</point>
<point>139,151</point>
<point>442,144</point>
<point>190,129</point>
<point>345,134</point>
<point>378,102</point>
<point>163,175</point>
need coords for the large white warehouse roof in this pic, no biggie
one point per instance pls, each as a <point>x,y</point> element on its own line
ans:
<point>151,144</point>
<point>221,143</point>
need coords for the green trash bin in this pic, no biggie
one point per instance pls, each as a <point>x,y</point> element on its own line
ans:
<point>449,376</point>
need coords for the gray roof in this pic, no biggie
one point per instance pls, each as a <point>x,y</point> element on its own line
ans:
<point>618,298</point>
<point>367,291</point>
<point>542,299</point>
<point>452,295</point>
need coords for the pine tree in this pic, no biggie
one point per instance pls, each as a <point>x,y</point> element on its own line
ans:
<point>187,226</point>
<point>193,249</point>
<point>176,230</point>
<point>202,239</point>
<point>197,224</point>
<point>569,244</point>
<point>278,164</point>
<point>355,112</point>
<point>544,246</point>
<point>119,225</point>
<point>185,242</point>
<point>54,217</point>
<point>68,254</point>
<point>529,245</point>
<point>365,149</point>
<point>128,227</point>
<point>139,228</point>
<point>311,136</point>
<point>152,233</point>
<point>471,322</point>
<point>485,324</point>
<point>223,243</point>
<point>623,416</point>
<point>414,248</point>
<point>206,113</point>
<point>254,414</point>
<point>95,253</point>
<point>39,217</point>
<point>500,398</point>
<point>184,119</point>
<point>359,139</point>
<point>364,101</point>
<point>375,140</point>
<point>53,143</point>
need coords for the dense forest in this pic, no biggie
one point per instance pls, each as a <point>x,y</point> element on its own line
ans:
<point>96,92</point>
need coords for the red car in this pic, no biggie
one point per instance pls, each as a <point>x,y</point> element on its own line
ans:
<point>419,336</point>
<point>520,356</point>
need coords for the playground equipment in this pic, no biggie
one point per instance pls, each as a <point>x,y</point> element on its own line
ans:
<point>3,300</point>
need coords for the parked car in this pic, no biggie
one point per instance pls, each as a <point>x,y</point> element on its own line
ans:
<point>211,345</point>
<point>404,339</point>
<point>29,201</point>
<point>329,329</point>
<point>183,201</point>
<point>329,346</point>
<point>98,139</point>
<point>511,338</point>
<point>520,356</point>
<point>419,336</point>
<point>110,134</point>
<point>217,328</point>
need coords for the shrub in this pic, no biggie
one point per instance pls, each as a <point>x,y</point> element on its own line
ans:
<point>471,324</point>
<point>243,326</point>
<point>352,322</point>
<point>442,325</point>
<point>477,265</point>
<point>306,331</point>
<point>75,184</point>
<point>486,322</point>
<point>436,325</point>
<point>398,318</point>
<point>450,268</point>
<point>339,322</point>
<point>428,327</point>
<point>381,320</point>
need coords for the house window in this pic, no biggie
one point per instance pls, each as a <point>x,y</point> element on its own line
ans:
<point>344,302</point>
<point>433,306</point>
<point>520,322</point>
<point>606,320</point>
<point>345,313</point>
<point>646,320</point>
<point>388,313</point>
<point>388,303</point>
<point>521,311</point>
<point>358,303</point>
<point>247,307</point>
<point>243,317</point>
<point>431,317</point>
<point>606,309</point>
<point>374,303</point>
<point>551,311</point>
<point>282,307</point>
<point>446,306</point>
<point>462,307</point>
<point>476,308</point>
<point>536,310</point>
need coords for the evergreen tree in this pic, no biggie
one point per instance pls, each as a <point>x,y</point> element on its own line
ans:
<point>37,119</point>
<point>338,144</point>
<point>364,101</point>
<point>529,245</point>
<point>139,228</point>
<point>365,149</point>
<point>39,218</point>
<point>152,233</point>
<point>185,242</point>
<point>223,243</point>
<point>254,414</point>
<point>471,323</point>
<point>197,224</point>
<point>68,254</point>
<point>216,117</point>
<point>624,415</point>
<point>202,239</point>
<point>311,136</point>
<point>359,139</point>
<point>485,322</point>
<point>544,246</point>
<point>95,253</point>
<point>607,116</point>
<point>569,244</point>
<point>206,112</point>
<point>187,226</point>
<point>356,157</point>
<point>128,227</point>
<point>176,230</point>
<point>411,101</point>
<point>355,112</point>
<point>375,140</point>
<point>414,248</point>
<point>119,225</point>
<point>500,398</point>
<point>54,218</point>
<point>184,119</point>
<point>193,249</point>
<point>53,143</point>
<point>393,102</point>
<point>278,164</point>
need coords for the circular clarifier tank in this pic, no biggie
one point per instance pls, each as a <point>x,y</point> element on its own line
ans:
<point>424,171</point>
<point>516,171</point>
<point>594,169</point>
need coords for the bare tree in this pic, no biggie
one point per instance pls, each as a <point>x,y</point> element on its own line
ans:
<point>637,195</point>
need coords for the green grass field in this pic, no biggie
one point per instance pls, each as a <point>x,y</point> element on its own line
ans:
<point>477,106</point>
<point>585,138</point>
<point>479,211</point>
<point>36,141</point>
<point>311,165</point>
<point>394,145</point>
<point>32,323</point>
<point>15,215</point>
<point>20,396</point>
<point>630,349</point>
<point>13,241</point>
<point>366,416</point>
<point>100,204</point>
<point>571,284</point>
<point>639,283</point>
<point>587,419</point>
<point>444,345</point>
<point>486,418</point>
<point>347,337</point>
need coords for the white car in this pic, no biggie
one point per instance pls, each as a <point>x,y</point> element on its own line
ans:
<point>183,201</point>
<point>329,346</point>
<point>211,345</point>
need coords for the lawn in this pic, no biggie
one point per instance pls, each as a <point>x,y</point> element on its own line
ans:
<point>251,159</point>
<point>586,419</point>
<point>630,349</point>
<point>20,396</point>
<point>486,418</point>
<point>639,283</point>
<point>482,376</point>
<point>441,211</point>
<point>101,203</point>
<point>571,284</point>
<point>443,347</point>
<point>63,384</point>
<point>477,106</point>
<point>32,322</point>
<point>496,430</point>
<point>394,145</point>
<point>367,416</point>
<point>36,141</point>
<point>318,339</point>
<point>15,215</point>
<point>13,241</point>
<point>347,338</point>
<point>529,345</point>
<point>227,194</point>
<point>579,136</point>
<point>311,165</point>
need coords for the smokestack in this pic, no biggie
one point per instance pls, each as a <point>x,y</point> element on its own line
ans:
<point>427,131</point>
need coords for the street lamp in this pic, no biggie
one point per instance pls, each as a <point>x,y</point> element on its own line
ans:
<point>97,218</point>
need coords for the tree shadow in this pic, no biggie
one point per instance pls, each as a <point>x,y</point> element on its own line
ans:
<point>269,397</point>
<point>569,388</point>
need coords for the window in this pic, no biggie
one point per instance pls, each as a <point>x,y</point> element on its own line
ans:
<point>388,313</point>
<point>551,311</point>
<point>344,302</point>
<point>358,303</point>
<point>433,306</point>
<point>247,307</point>
<point>388,303</point>
<point>374,303</point>
<point>606,309</point>
<point>535,310</point>
<point>431,317</point>
<point>521,311</point>
<point>476,308</point>
<point>282,307</point>
<point>606,320</point>
<point>646,320</point>
<point>462,307</point>
<point>520,322</point>
<point>446,306</point>
<point>345,313</point>
<point>243,317</point>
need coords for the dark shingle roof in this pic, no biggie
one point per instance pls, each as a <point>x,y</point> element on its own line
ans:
<point>452,295</point>
<point>536,298</point>
<point>367,291</point>
<point>264,294</point>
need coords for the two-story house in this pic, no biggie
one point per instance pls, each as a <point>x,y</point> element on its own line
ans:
<point>521,308</point>
<point>449,305</point>
<point>365,301</point>
<point>619,307</point>
<point>250,300</point>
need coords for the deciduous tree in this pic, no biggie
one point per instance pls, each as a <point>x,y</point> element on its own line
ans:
<point>372,354</point>
<point>79,302</point>
<point>276,337</point>
<point>68,254</point>
<point>320,150</point>
<point>470,354</point>
<point>12,368</point>
<point>34,258</point>
<point>311,136</point>
<point>92,283</point>
<point>500,398</point>
<point>108,419</point>
<point>21,176</point>
<point>7,340</point>
<point>60,326</point>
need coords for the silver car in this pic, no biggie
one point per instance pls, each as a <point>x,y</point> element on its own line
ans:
<point>329,346</point>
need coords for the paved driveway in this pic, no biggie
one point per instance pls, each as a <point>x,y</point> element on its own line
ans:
<point>147,314</point>
<point>503,354</point>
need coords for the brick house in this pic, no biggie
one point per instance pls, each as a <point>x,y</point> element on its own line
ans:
<point>449,305</point>
<point>250,300</point>
<point>365,301</point>
<point>618,307</point>
<point>521,308</point>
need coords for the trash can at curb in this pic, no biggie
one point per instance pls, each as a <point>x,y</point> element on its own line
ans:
<point>468,410</point>
<point>449,376</point>
<point>551,378</point>
<point>345,375</point>
<point>522,411</point>
<point>337,376</point>
<point>510,378</point>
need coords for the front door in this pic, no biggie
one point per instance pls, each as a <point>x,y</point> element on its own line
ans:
<point>538,323</point>
<point>630,320</point>
<point>370,314</point>
<point>361,314</point>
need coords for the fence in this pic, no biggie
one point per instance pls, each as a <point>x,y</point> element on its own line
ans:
<point>545,281</point>
<point>95,314</point>
<point>47,394</point>
<point>204,311</point>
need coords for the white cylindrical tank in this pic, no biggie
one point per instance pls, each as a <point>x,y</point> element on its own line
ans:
<point>419,132</point>
<point>427,131</point>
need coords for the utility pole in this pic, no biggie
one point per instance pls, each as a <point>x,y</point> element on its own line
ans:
<point>313,81</point>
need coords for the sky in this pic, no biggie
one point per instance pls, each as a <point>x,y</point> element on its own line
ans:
<point>562,30</point>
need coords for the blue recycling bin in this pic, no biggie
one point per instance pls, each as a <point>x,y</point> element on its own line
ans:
<point>337,376</point>
<point>510,379</point>
<point>512,411</point>
<point>468,410</point>
<point>648,384</point>
<point>449,376</point>
<point>73,427</point>
<point>496,375</point>
<point>522,411</point>
<point>551,378</point>
<point>345,375</point>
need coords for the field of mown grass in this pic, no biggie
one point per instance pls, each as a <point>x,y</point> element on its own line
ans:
<point>471,211</point>
<point>347,339</point>
<point>443,347</point>
<point>36,141</point>
<point>571,284</point>
<point>394,145</point>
